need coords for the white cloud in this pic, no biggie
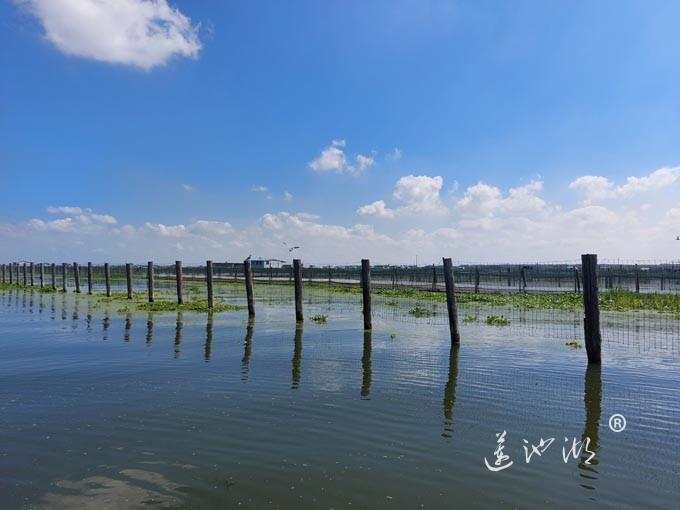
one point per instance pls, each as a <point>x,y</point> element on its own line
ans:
<point>64,209</point>
<point>420,195</point>
<point>141,33</point>
<point>333,159</point>
<point>483,200</point>
<point>598,188</point>
<point>394,155</point>
<point>260,189</point>
<point>188,187</point>
<point>287,196</point>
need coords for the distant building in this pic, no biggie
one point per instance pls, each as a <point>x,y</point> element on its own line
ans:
<point>266,263</point>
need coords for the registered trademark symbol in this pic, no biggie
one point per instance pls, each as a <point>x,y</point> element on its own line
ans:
<point>617,422</point>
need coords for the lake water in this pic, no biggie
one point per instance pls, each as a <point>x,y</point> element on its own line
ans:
<point>100,409</point>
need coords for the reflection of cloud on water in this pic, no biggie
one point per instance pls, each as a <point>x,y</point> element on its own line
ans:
<point>136,488</point>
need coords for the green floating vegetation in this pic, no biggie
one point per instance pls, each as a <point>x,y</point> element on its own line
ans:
<point>470,318</point>
<point>319,318</point>
<point>393,336</point>
<point>619,300</point>
<point>194,305</point>
<point>36,288</point>
<point>573,344</point>
<point>392,302</point>
<point>495,320</point>
<point>420,311</point>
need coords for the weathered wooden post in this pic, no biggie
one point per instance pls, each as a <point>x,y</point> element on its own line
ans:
<point>477,280</point>
<point>32,273</point>
<point>107,278</point>
<point>434,277</point>
<point>3,273</point>
<point>209,281</point>
<point>297,274</point>
<point>149,280</point>
<point>64,276</point>
<point>523,280</point>
<point>128,279</point>
<point>178,279</point>
<point>11,277</point>
<point>451,301</point>
<point>366,289</point>
<point>76,276</point>
<point>248,275</point>
<point>54,276</point>
<point>24,273</point>
<point>42,275</point>
<point>591,320</point>
<point>89,278</point>
<point>637,279</point>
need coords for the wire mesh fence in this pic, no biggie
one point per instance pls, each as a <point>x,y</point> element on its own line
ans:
<point>639,301</point>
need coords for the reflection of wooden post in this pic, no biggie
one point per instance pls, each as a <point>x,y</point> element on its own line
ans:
<point>248,273</point>
<point>178,278</point>
<point>451,301</point>
<point>128,279</point>
<point>637,278</point>
<point>450,391</point>
<point>366,365</point>
<point>64,276</point>
<point>209,282</point>
<point>89,278</point>
<point>297,357</point>
<point>592,399</point>
<point>297,274</point>
<point>76,276</point>
<point>149,280</point>
<point>366,288</point>
<point>107,277</point>
<point>591,321</point>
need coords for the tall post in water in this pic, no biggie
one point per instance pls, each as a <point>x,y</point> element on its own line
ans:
<point>107,278</point>
<point>209,281</point>
<point>42,275</point>
<point>366,291</point>
<point>637,279</point>
<point>32,273</point>
<point>149,280</point>
<point>297,274</point>
<point>451,301</point>
<point>24,273</point>
<point>178,279</point>
<point>11,277</point>
<point>89,278</point>
<point>248,274</point>
<point>76,276</point>
<point>3,273</point>
<point>434,277</point>
<point>477,278</point>
<point>54,276</point>
<point>591,320</point>
<point>64,276</point>
<point>128,279</point>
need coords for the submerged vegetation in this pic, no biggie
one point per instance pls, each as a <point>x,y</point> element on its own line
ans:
<point>419,311</point>
<point>495,320</point>
<point>319,318</point>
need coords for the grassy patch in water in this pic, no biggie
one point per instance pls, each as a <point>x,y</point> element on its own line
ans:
<point>420,311</point>
<point>319,318</point>
<point>36,288</point>
<point>495,320</point>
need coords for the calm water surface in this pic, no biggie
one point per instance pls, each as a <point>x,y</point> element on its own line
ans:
<point>100,409</point>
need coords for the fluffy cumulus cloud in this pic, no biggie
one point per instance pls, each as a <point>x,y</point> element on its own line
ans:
<point>141,33</point>
<point>417,194</point>
<point>479,223</point>
<point>333,159</point>
<point>596,188</point>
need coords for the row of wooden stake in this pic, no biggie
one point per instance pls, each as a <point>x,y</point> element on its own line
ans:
<point>590,291</point>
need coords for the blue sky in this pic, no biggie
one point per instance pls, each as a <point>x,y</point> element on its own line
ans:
<point>478,130</point>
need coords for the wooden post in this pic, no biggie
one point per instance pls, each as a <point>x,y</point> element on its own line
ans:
<point>637,279</point>
<point>3,273</point>
<point>297,273</point>
<point>54,276</point>
<point>178,278</point>
<point>11,276</point>
<point>248,274</point>
<point>128,278</point>
<point>209,280</point>
<point>523,280</point>
<point>477,280</point>
<point>76,275</point>
<point>16,265</point>
<point>89,278</point>
<point>24,273</point>
<point>107,277</point>
<point>591,321</point>
<point>451,301</point>
<point>64,276</point>
<point>366,289</point>
<point>577,282</point>
<point>32,267</point>
<point>149,280</point>
<point>42,275</point>
<point>434,277</point>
